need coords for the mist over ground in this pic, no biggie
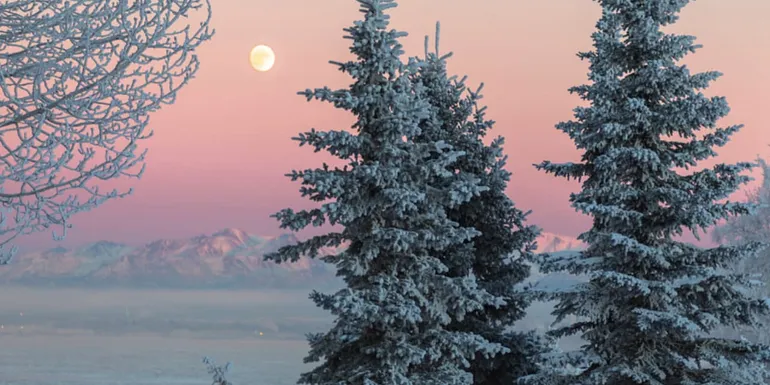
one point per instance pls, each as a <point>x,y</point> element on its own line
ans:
<point>78,336</point>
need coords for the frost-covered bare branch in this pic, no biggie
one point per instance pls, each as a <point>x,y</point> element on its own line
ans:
<point>754,227</point>
<point>78,80</point>
<point>218,372</point>
<point>750,228</point>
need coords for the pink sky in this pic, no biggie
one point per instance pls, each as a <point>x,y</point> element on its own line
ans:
<point>219,153</point>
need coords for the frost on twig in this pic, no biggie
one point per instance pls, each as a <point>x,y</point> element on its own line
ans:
<point>218,373</point>
<point>78,80</point>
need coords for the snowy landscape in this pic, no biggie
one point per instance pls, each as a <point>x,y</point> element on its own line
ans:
<point>143,332</point>
<point>375,223</point>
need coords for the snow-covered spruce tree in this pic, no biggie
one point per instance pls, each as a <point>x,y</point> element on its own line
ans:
<point>650,304</point>
<point>497,256</point>
<point>391,201</point>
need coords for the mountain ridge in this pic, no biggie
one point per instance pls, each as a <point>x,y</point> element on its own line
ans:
<point>230,257</point>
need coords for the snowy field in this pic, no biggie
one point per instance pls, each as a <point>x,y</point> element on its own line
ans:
<point>141,337</point>
<point>144,360</point>
<point>82,337</point>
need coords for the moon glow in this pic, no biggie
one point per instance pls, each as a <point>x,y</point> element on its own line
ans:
<point>262,58</point>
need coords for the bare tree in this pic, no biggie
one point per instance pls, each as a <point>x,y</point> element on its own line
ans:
<point>78,80</point>
<point>752,228</point>
<point>748,228</point>
<point>218,373</point>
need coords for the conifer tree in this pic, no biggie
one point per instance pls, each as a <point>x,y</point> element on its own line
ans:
<point>391,200</point>
<point>497,256</point>
<point>647,312</point>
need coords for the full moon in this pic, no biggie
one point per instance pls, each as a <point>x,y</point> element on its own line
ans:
<point>262,58</point>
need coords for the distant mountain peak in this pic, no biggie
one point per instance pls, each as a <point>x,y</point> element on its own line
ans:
<point>234,233</point>
<point>164,246</point>
<point>274,243</point>
<point>550,242</point>
<point>101,244</point>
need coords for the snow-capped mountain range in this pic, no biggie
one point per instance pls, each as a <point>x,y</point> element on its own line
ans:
<point>230,257</point>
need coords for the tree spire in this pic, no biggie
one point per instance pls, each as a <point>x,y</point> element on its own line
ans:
<point>392,200</point>
<point>498,256</point>
<point>652,303</point>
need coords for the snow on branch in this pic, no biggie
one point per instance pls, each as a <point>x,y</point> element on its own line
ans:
<point>78,80</point>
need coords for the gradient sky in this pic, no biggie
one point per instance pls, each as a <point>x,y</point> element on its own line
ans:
<point>219,153</point>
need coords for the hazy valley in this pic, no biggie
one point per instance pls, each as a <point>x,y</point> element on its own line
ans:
<point>106,313</point>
